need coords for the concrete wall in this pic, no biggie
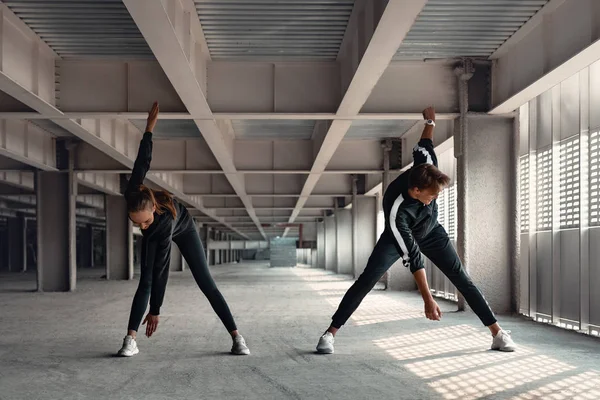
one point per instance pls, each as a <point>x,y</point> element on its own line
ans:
<point>320,245</point>
<point>309,231</point>
<point>367,228</point>
<point>304,256</point>
<point>330,244</point>
<point>488,199</point>
<point>344,241</point>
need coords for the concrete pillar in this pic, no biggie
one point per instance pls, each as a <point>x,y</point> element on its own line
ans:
<point>387,147</point>
<point>217,251</point>
<point>205,229</point>
<point>365,236</point>
<point>228,251</point>
<point>464,72</point>
<point>56,231</point>
<point>355,265</point>
<point>330,244</point>
<point>90,238</point>
<point>119,239</point>
<point>488,197</point>
<point>17,241</point>
<point>204,233</point>
<point>224,251</point>
<point>176,263</point>
<point>343,219</point>
<point>320,263</point>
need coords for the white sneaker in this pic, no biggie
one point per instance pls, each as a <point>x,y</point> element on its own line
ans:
<point>239,347</point>
<point>325,345</point>
<point>129,347</point>
<point>503,342</point>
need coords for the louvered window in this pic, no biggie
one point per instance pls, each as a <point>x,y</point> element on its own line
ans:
<point>594,174</point>
<point>524,192</point>
<point>441,203</point>
<point>569,183</point>
<point>544,189</point>
<point>451,212</point>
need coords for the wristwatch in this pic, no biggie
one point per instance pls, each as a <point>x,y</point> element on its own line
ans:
<point>430,122</point>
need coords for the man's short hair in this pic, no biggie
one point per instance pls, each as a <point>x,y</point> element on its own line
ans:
<point>427,176</point>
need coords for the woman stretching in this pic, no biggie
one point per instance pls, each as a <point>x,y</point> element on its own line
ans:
<point>162,220</point>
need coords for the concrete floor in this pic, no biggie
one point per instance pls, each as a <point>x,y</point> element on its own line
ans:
<point>62,345</point>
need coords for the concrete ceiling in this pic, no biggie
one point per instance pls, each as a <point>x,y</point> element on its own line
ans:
<point>471,28</point>
<point>267,106</point>
<point>268,29</point>
<point>83,29</point>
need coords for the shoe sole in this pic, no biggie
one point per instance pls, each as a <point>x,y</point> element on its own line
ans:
<point>509,350</point>
<point>321,351</point>
<point>123,354</point>
<point>244,353</point>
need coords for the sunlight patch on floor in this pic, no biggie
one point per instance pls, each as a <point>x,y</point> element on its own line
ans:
<point>500,377</point>
<point>436,367</point>
<point>584,386</point>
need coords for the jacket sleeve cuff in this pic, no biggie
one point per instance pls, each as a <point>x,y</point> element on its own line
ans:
<point>414,267</point>
<point>155,310</point>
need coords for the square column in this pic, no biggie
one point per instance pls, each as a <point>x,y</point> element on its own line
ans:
<point>56,240</point>
<point>119,239</point>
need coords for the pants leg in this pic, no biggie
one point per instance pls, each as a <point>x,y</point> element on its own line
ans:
<point>142,294</point>
<point>384,255</point>
<point>437,247</point>
<point>192,251</point>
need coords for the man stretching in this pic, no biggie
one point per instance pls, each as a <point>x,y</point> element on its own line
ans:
<point>411,228</point>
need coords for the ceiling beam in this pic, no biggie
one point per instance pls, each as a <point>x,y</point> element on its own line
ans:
<point>394,24</point>
<point>275,195</point>
<point>225,116</point>
<point>542,58</point>
<point>526,28</point>
<point>271,208</point>
<point>22,180</point>
<point>91,201</point>
<point>39,95</point>
<point>27,143</point>
<point>439,149</point>
<point>178,56</point>
<point>241,172</point>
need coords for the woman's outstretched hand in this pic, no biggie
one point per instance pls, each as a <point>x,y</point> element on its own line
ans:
<point>152,117</point>
<point>152,321</point>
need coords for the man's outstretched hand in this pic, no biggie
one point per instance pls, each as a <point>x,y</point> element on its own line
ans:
<point>429,113</point>
<point>432,310</point>
<point>152,117</point>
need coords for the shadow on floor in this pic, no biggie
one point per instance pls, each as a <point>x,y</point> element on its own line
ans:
<point>455,360</point>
